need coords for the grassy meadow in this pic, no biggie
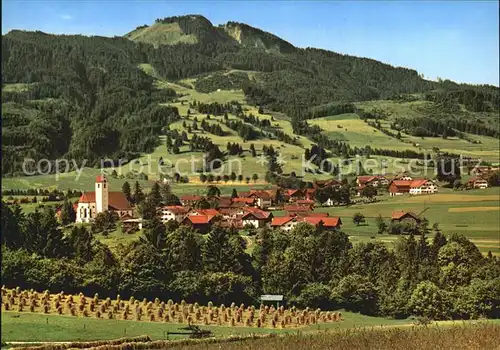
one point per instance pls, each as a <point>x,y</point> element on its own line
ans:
<point>33,327</point>
<point>476,214</point>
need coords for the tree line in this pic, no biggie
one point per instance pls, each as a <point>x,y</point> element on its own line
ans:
<point>441,278</point>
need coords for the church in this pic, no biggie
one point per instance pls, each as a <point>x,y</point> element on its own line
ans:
<point>92,203</point>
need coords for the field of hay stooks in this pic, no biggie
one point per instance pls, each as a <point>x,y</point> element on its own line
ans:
<point>158,311</point>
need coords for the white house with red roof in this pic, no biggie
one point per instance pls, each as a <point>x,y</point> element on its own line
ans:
<point>477,182</point>
<point>423,186</point>
<point>256,217</point>
<point>172,212</point>
<point>288,223</point>
<point>92,203</point>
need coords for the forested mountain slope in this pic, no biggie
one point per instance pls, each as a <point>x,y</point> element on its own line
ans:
<point>90,92</point>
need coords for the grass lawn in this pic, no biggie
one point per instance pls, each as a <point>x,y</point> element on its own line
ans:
<point>39,327</point>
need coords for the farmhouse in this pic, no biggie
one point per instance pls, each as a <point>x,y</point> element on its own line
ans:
<point>263,198</point>
<point>287,223</point>
<point>297,209</point>
<point>399,216</point>
<point>329,223</point>
<point>418,186</point>
<point>295,195</point>
<point>328,203</point>
<point>189,200</point>
<point>477,182</point>
<point>423,186</point>
<point>250,201</point>
<point>200,222</point>
<point>403,176</point>
<point>399,187</point>
<point>305,202</point>
<point>256,218</point>
<point>483,170</point>
<point>92,203</point>
<point>174,212</point>
<point>326,183</point>
<point>374,181</point>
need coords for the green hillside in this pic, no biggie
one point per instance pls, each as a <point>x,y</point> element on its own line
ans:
<point>114,97</point>
<point>161,34</point>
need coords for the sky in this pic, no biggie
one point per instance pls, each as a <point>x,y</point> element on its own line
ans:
<point>456,40</point>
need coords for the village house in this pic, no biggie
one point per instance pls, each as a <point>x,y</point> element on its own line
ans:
<point>423,186</point>
<point>483,171</point>
<point>400,216</point>
<point>285,223</point>
<point>328,203</point>
<point>189,200</point>
<point>295,195</point>
<point>418,186</point>
<point>399,187</point>
<point>326,183</point>
<point>375,181</point>
<point>288,223</point>
<point>173,212</point>
<point>297,209</point>
<point>256,218</point>
<point>263,198</point>
<point>306,202</point>
<point>92,203</point>
<point>477,182</point>
<point>403,176</point>
<point>131,225</point>
<point>251,201</point>
<point>202,223</point>
<point>328,223</point>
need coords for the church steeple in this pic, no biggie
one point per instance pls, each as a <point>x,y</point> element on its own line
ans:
<point>101,193</point>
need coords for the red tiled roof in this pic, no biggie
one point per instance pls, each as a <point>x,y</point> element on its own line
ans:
<point>224,202</point>
<point>327,222</point>
<point>297,207</point>
<point>293,192</point>
<point>176,209</point>
<point>87,197</point>
<point>259,215</point>
<point>116,200</point>
<point>400,184</point>
<point>365,179</point>
<point>396,215</point>
<point>244,200</point>
<point>200,219</point>
<point>212,212</point>
<point>418,183</point>
<point>305,202</point>
<point>281,220</point>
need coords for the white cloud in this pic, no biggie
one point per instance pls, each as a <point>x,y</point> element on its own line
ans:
<point>66,17</point>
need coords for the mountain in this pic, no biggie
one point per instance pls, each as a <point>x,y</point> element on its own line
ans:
<point>193,29</point>
<point>91,91</point>
<point>253,37</point>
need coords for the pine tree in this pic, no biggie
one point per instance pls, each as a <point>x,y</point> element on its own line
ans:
<point>138,196</point>
<point>68,214</point>
<point>126,191</point>
<point>217,251</point>
<point>154,196</point>
<point>234,194</point>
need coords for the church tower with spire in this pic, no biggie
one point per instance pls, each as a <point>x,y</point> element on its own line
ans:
<point>101,194</point>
